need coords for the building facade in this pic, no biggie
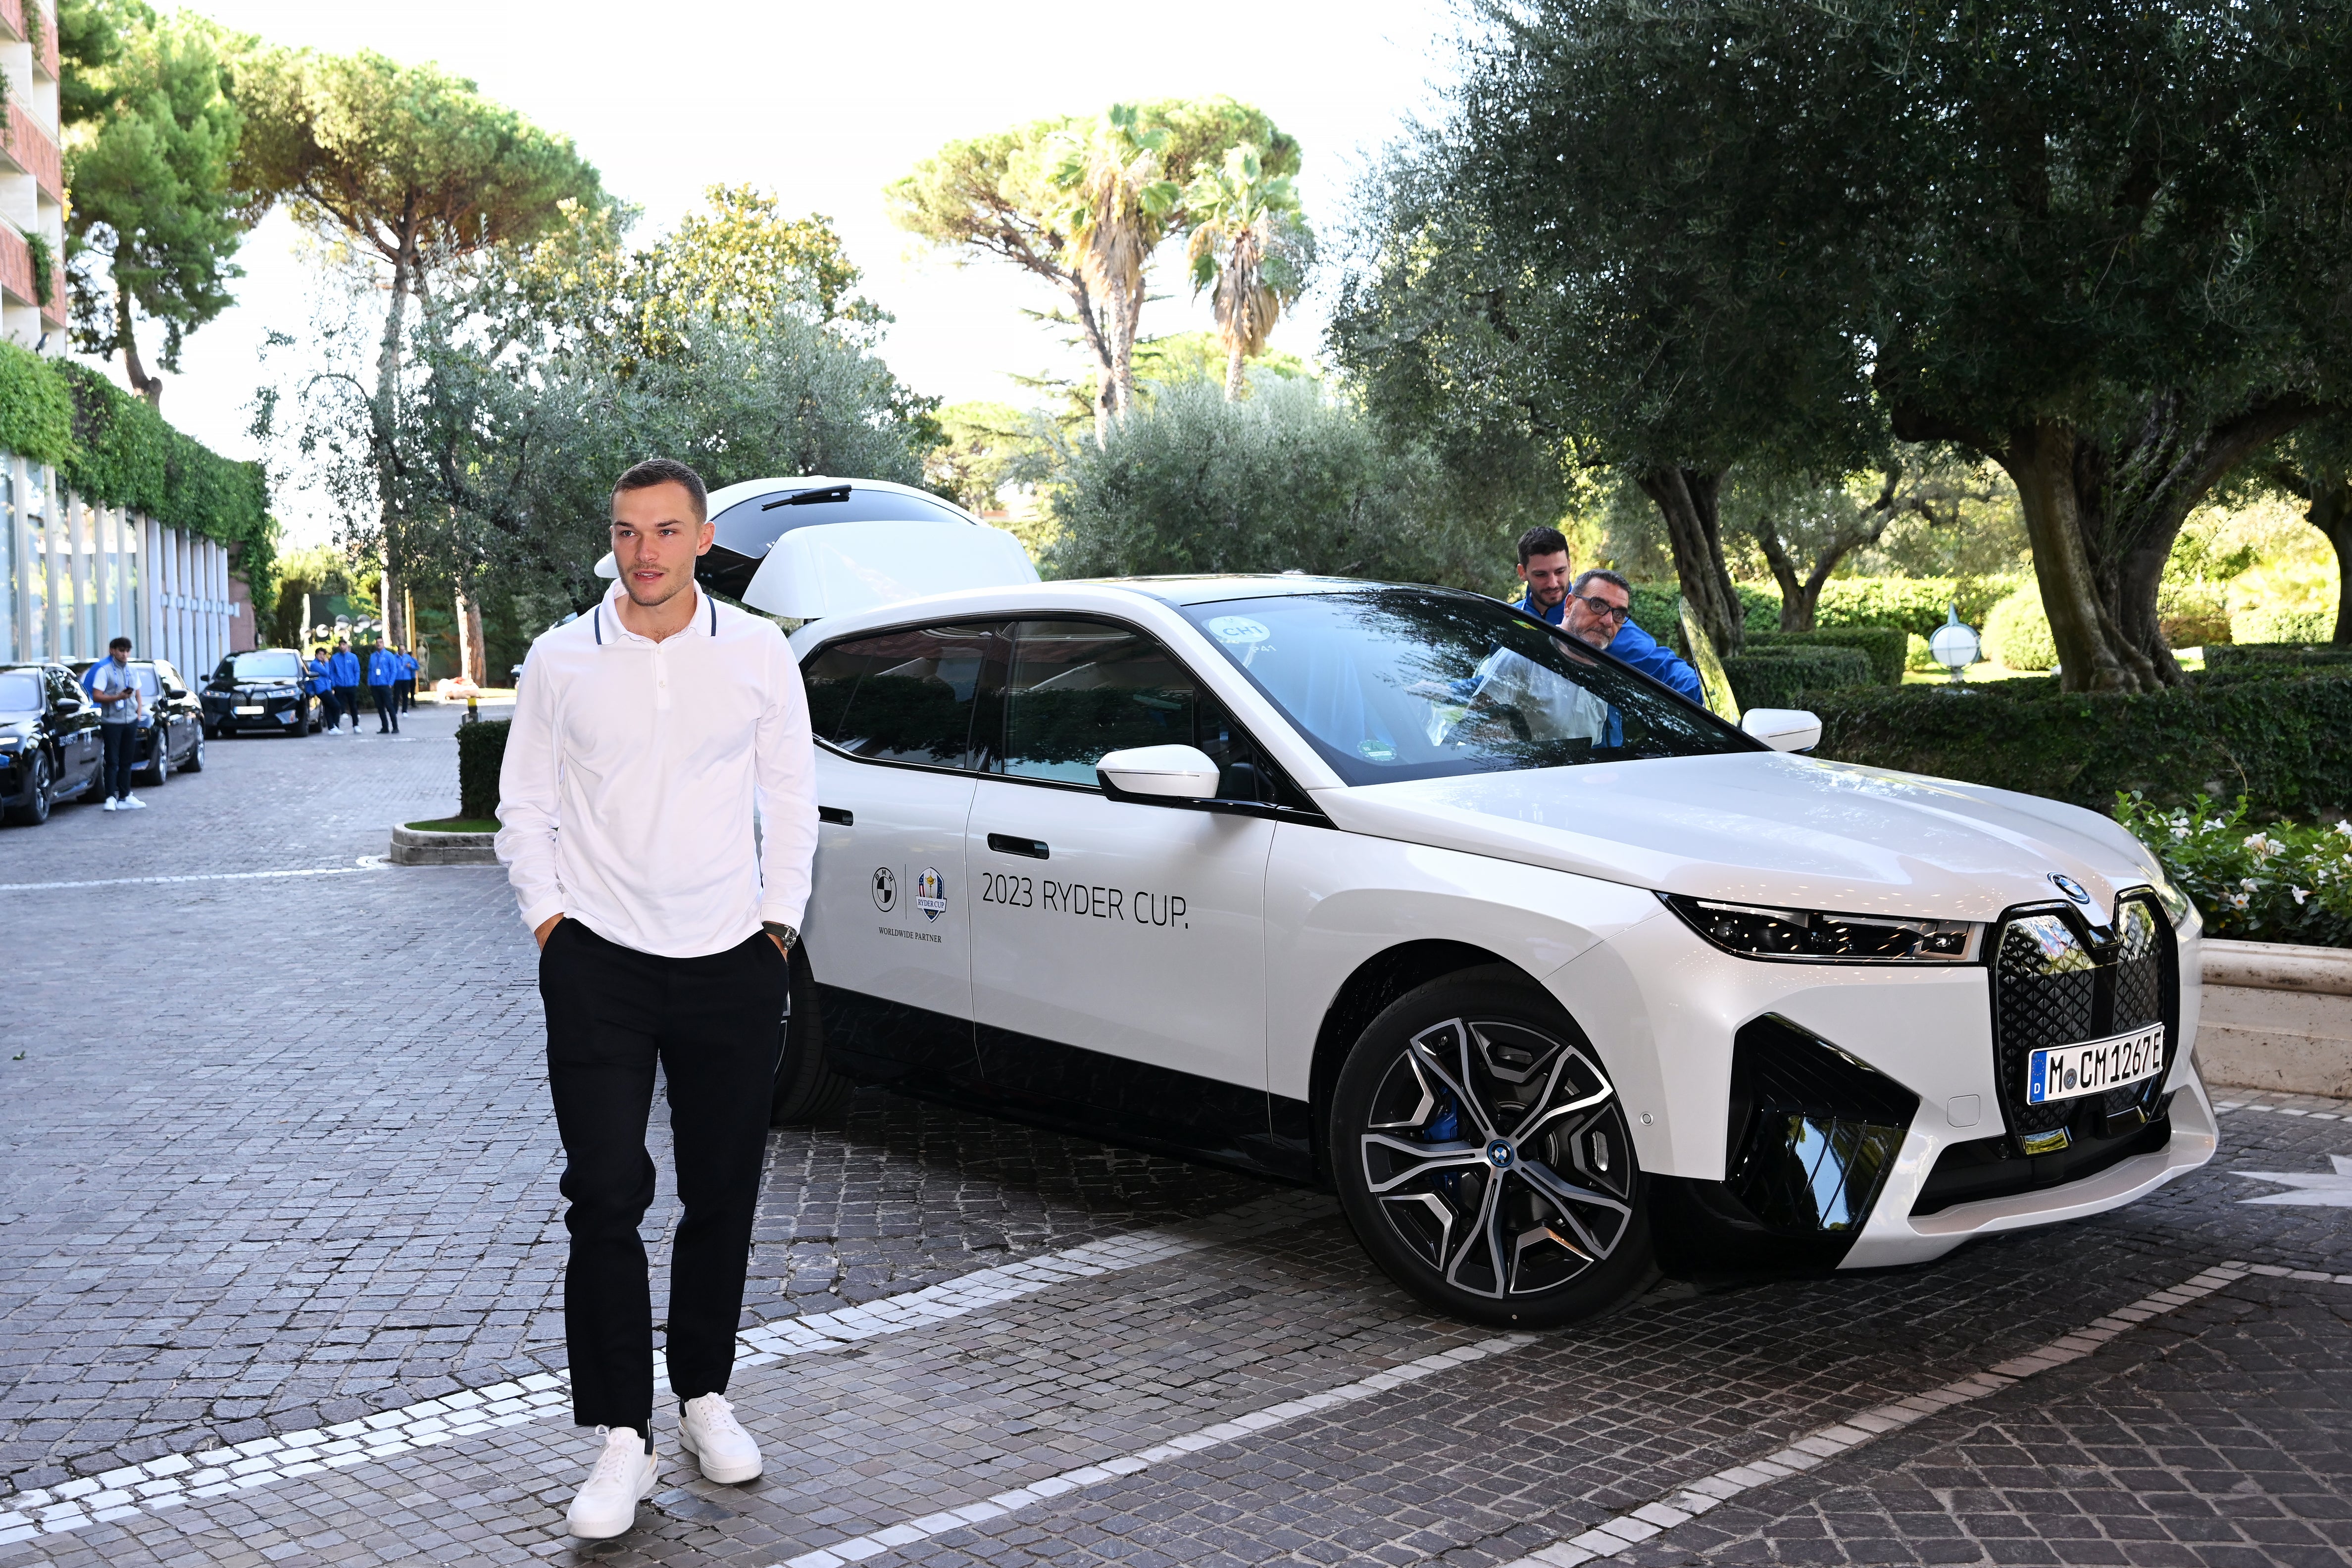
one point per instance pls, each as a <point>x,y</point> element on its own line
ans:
<point>32,180</point>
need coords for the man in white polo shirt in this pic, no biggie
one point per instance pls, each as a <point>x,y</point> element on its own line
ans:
<point>645,732</point>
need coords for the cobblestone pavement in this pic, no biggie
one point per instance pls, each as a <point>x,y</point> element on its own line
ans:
<point>279,1226</point>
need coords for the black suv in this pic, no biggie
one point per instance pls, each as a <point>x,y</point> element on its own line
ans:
<point>260,690</point>
<point>171,720</point>
<point>49,745</point>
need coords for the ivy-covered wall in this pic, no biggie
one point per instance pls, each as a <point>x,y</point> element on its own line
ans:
<point>112,449</point>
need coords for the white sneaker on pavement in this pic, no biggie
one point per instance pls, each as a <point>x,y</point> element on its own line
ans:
<point>607,1503</point>
<point>707,1428</point>
<point>109,804</point>
<point>132,803</point>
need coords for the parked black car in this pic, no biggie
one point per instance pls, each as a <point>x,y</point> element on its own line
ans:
<point>172,724</point>
<point>262,689</point>
<point>49,745</point>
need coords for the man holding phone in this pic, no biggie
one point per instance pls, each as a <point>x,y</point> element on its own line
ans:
<point>646,733</point>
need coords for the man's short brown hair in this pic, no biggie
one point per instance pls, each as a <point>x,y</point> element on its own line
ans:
<point>1538,542</point>
<point>655,471</point>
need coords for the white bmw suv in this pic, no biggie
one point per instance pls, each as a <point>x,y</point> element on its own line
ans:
<point>1551,976</point>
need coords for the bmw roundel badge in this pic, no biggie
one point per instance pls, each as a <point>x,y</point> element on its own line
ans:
<point>1500,1155</point>
<point>2071,887</point>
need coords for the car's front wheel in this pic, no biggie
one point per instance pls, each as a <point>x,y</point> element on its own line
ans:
<point>158,758</point>
<point>36,809</point>
<point>196,759</point>
<point>807,1088</point>
<point>1483,1158</point>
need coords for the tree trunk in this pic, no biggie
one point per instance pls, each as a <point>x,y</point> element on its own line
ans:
<point>2055,472</point>
<point>1686,498</point>
<point>1233,383</point>
<point>386,417</point>
<point>2331,514</point>
<point>150,387</point>
<point>473,662</point>
<point>1795,604</point>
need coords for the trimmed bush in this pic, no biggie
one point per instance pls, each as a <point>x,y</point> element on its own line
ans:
<point>1786,674</point>
<point>2017,633</point>
<point>1885,646</point>
<point>2282,625</point>
<point>2191,615</point>
<point>481,752</point>
<point>1916,654</point>
<point>2286,742</point>
<point>1913,603</point>
<point>2270,658</point>
<point>36,413</point>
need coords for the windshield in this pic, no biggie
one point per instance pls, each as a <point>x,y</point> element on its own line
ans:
<point>270,664</point>
<point>1402,683</point>
<point>20,691</point>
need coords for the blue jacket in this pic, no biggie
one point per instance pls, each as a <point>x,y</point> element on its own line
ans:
<point>320,681</point>
<point>345,666</point>
<point>1637,648</point>
<point>407,665</point>
<point>383,667</point>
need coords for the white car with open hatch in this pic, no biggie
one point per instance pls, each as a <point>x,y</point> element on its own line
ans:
<point>1550,976</point>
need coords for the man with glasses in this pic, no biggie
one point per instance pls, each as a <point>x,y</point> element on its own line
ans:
<point>1596,610</point>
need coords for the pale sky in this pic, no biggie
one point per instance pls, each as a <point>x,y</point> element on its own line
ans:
<point>825,105</point>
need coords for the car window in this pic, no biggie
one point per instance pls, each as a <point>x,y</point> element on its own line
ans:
<point>1396,683</point>
<point>20,691</point>
<point>268,664</point>
<point>171,676</point>
<point>1075,690</point>
<point>901,697</point>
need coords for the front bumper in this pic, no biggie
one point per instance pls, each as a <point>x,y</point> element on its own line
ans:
<point>1666,1009</point>
<point>276,713</point>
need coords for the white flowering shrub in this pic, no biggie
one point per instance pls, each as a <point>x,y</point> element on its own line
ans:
<point>2285,882</point>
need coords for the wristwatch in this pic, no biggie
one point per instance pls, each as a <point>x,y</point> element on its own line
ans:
<point>782,932</point>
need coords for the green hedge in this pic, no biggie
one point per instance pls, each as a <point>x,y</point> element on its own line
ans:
<point>1790,675</point>
<point>1912,605</point>
<point>1885,646</point>
<point>113,449</point>
<point>36,412</point>
<point>481,752</point>
<point>2272,657</point>
<point>2284,742</point>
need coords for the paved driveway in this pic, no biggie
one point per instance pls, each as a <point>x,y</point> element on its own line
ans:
<point>279,1257</point>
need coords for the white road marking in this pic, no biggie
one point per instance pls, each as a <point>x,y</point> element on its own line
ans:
<point>1613,1536</point>
<point>178,1478</point>
<point>366,863</point>
<point>858,1548</point>
<point>2227,1105</point>
<point>2331,1190</point>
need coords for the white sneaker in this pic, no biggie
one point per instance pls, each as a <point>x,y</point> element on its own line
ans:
<point>109,804</point>
<point>707,1430</point>
<point>607,1503</point>
<point>132,803</point>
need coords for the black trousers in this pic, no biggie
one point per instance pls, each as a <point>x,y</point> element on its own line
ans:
<point>387,716</point>
<point>407,690</point>
<point>122,757</point>
<point>715,1023</point>
<point>348,699</point>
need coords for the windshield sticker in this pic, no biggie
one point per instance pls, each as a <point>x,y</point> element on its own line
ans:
<point>1238,629</point>
<point>931,894</point>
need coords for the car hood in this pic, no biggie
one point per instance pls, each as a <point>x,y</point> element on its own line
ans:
<point>1766,827</point>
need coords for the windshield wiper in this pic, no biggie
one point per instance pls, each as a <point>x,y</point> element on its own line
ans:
<point>809,498</point>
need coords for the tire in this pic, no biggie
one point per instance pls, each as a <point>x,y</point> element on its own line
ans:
<point>36,809</point>
<point>807,1089</point>
<point>1483,1158</point>
<point>159,760</point>
<point>195,762</point>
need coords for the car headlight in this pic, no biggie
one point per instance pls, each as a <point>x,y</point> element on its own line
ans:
<point>2178,905</point>
<point>1818,936</point>
<point>8,743</point>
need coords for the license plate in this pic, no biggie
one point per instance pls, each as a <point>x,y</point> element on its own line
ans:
<point>248,711</point>
<point>2069,1072</point>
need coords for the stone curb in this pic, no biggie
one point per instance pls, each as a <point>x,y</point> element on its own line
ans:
<point>2278,966</point>
<point>418,847</point>
<point>2277,1017</point>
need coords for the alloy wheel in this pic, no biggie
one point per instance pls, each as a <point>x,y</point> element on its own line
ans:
<point>1499,1156</point>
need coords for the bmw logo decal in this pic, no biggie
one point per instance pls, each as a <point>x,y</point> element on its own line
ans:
<point>1500,1155</point>
<point>2071,887</point>
<point>886,889</point>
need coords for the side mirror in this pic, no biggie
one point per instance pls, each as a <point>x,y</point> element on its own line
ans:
<point>175,692</point>
<point>1783,728</point>
<point>1159,773</point>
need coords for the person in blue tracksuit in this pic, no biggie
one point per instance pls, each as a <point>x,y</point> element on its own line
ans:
<point>1551,596</point>
<point>407,686</point>
<point>343,669</point>
<point>383,686</point>
<point>321,684</point>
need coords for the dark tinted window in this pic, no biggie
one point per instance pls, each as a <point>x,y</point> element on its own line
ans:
<point>901,697</point>
<point>1398,683</point>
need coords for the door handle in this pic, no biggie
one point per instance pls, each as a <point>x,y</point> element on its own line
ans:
<point>836,816</point>
<point>1006,844</point>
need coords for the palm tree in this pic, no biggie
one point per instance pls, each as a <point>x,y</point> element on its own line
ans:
<point>1115,209</point>
<point>1249,242</point>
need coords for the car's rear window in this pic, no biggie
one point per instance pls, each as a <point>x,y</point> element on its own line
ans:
<point>1391,684</point>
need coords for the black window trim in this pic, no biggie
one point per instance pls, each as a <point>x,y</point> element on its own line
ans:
<point>995,618</point>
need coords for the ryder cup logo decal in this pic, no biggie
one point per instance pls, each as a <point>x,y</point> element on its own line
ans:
<point>931,894</point>
<point>886,890</point>
<point>2071,887</point>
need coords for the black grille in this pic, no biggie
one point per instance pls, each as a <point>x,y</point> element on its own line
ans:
<point>2056,979</point>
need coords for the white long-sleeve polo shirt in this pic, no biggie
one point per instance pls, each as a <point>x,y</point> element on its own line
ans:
<point>632,772</point>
